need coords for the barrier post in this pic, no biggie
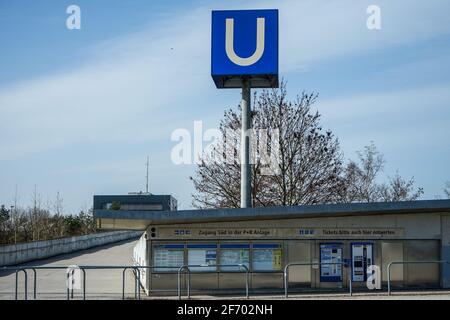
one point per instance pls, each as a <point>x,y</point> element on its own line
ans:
<point>84,283</point>
<point>68,291</point>
<point>246,280</point>
<point>389,278</point>
<point>179,280</point>
<point>34,283</point>
<point>350,279</point>
<point>123,283</point>
<point>137,278</point>
<point>71,293</point>
<point>135,285</point>
<point>17,282</point>
<point>286,273</point>
<point>189,283</point>
<point>26,284</point>
<point>286,281</point>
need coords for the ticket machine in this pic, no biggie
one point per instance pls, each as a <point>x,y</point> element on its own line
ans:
<point>362,257</point>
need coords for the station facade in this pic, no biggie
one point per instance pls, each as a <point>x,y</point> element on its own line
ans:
<point>349,237</point>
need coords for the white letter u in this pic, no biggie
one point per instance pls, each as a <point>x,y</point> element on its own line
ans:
<point>229,43</point>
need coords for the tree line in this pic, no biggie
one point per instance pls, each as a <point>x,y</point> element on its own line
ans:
<point>38,222</point>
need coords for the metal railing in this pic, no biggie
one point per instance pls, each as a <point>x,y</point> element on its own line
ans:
<point>407,262</point>
<point>136,272</point>
<point>16,271</point>
<point>286,273</point>
<point>138,267</point>
<point>187,268</point>
<point>69,292</point>
<point>137,275</point>
<point>25,283</point>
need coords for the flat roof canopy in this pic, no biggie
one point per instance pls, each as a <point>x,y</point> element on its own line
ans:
<point>279,212</point>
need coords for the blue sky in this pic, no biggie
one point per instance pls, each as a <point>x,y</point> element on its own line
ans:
<point>81,109</point>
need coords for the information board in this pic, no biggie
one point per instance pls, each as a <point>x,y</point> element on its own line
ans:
<point>206,258</point>
<point>234,257</point>
<point>330,253</point>
<point>165,258</point>
<point>266,259</point>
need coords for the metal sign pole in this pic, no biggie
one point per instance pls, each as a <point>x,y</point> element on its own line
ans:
<point>229,70</point>
<point>246,186</point>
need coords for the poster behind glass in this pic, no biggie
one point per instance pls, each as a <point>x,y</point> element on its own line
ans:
<point>331,253</point>
<point>204,259</point>
<point>266,259</point>
<point>165,258</point>
<point>230,258</point>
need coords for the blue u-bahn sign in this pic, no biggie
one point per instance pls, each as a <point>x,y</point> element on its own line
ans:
<point>245,44</point>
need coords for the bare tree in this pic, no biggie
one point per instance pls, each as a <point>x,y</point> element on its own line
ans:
<point>360,177</point>
<point>447,189</point>
<point>5,216</point>
<point>308,162</point>
<point>58,221</point>
<point>58,205</point>
<point>39,217</point>
<point>399,189</point>
<point>308,167</point>
<point>360,180</point>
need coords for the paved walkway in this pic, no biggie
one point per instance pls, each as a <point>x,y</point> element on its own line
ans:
<point>100,284</point>
<point>420,295</point>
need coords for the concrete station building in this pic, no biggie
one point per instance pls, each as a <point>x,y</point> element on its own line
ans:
<point>266,239</point>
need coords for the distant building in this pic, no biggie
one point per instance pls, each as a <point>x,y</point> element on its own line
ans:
<point>135,202</point>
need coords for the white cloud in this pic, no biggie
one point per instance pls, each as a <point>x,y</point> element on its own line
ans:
<point>311,30</point>
<point>397,119</point>
<point>124,90</point>
<point>128,83</point>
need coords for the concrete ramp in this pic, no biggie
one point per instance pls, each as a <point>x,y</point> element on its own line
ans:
<point>100,284</point>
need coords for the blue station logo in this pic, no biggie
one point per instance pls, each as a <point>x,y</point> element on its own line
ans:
<point>244,44</point>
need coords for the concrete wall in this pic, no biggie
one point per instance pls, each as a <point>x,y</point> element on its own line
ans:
<point>24,252</point>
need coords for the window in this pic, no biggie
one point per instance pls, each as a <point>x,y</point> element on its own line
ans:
<point>143,207</point>
<point>202,257</point>
<point>233,255</point>
<point>266,257</point>
<point>168,257</point>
